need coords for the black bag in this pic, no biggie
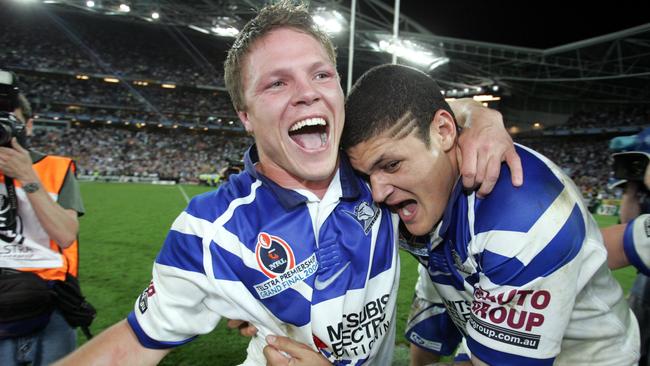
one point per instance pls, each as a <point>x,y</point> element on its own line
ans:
<point>26,303</point>
<point>73,305</point>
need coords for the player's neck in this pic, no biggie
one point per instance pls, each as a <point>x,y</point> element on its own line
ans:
<point>289,181</point>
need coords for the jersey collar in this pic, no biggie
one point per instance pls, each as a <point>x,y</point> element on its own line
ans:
<point>289,198</point>
<point>441,229</point>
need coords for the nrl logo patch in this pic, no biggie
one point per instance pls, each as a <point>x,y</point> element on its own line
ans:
<point>274,255</point>
<point>365,214</point>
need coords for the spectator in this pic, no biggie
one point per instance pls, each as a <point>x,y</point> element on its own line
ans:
<point>38,239</point>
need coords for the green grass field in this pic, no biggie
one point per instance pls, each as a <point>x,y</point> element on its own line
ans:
<point>121,233</point>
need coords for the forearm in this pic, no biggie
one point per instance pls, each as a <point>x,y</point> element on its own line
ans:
<point>117,345</point>
<point>60,224</point>
<point>613,238</point>
<point>630,206</point>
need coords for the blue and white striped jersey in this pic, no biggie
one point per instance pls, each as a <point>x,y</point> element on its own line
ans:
<point>322,272</point>
<point>636,243</point>
<point>523,274</point>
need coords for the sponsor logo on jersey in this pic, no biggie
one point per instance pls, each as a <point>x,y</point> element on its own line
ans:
<point>366,214</point>
<point>491,310</point>
<point>299,273</point>
<point>151,290</point>
<point>274,255</point>
<point>459,312</point>
<point>321,284</point>
<point>143,302</point>
<point>505,335</point>
<point>357,333</point>
<point>646,226</point>
<point>424,343</point>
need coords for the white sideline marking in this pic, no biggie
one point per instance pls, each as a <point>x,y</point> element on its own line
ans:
<point>180,188</point>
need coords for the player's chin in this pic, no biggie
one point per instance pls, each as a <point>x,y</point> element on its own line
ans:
<point>419,225</point>
<point>416,229</point>
<point>317,170</point>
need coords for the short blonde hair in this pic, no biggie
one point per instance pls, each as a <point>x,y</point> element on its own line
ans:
<point>283,14</point>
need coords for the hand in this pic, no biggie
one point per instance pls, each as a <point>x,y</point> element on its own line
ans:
<point>297,354</point>
<point>246,329</point>
<point>15,162</point>
<point>484,146</point>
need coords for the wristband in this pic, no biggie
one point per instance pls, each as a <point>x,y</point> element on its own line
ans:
<point>636,243</point>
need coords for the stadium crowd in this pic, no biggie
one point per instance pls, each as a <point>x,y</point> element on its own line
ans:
<point>613,117</point>
<point>110,151</point>
<point>182,155</point>
<point>64,96</point>
<point>68,90</point>
<point>65,41</point>
<point>586,160</point>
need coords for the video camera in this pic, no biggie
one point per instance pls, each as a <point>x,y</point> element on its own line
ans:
<point>10,126</point>
<point>633,156</point>
<point>630,166</point>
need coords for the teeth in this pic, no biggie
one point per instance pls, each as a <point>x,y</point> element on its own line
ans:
<point>406,212</point>
<point>323,138</point>
<point>308,122</point>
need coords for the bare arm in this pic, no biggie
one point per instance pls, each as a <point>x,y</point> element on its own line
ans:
<point>630,206</point>
<point>613,237</point>
<point>484,144</point>
<point>117,345</point>
<point>60,224</point>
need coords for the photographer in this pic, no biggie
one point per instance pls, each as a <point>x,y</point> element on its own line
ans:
<point>40,203</point>
<point>633,168</point>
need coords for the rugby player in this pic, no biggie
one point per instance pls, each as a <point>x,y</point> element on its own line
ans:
<point>523,271</point>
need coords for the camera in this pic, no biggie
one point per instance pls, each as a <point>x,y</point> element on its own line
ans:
<point>10,126</point>
<point>631,165</point>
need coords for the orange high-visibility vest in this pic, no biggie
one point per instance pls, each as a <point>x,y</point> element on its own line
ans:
<point>52,171</point>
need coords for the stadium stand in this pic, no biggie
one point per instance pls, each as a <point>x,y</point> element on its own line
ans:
<point>132,126</point>
<point>164,155</point>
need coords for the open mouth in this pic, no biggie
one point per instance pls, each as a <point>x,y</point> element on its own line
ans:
<point>310,133</point>
<point>405,209</point>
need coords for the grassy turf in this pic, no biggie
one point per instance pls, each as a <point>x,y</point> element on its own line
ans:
<point>121,233</point>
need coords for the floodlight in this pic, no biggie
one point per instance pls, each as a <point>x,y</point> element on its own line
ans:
<point>90,4</point>
<point>155,15</point>
<point>225,26</point>
<point>225,31</point>
<point>125,8</point>
<point>407,51</point>
<point>331,22</point>
<point>199,29</point>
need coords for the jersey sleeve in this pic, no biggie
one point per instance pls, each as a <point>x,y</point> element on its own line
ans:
<point>70,195</point>
<point>429,325</point>
<point>173,309</point>
<point>531,268</point>
<point>636,243</point>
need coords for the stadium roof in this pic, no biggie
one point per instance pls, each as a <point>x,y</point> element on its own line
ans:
<point>548,53</point>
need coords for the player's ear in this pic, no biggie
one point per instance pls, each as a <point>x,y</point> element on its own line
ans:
<point>243,116</point>
<point>444,126</point>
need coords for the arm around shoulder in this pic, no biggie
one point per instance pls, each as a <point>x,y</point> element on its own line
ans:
<point>117,345</point>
